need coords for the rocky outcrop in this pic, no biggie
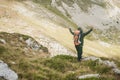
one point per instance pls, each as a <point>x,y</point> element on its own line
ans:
<point>117,71</point>
<point>89,76</point>
<point>105,62</point>
<point>3,41</point>
<point>108,63</point>
<point>6,73</point>
<point>54,47</point>
<point>32,44</point>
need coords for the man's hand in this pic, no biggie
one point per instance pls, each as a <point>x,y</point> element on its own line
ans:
<point>70,29</point>
<point>91,27</point>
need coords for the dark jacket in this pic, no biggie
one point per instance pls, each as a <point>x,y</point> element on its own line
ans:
<point>82,35</point>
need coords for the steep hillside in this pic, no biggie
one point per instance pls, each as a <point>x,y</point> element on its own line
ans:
<point>49,27</point>
<point>16,50</point>
<point>34,34</point>
<point>32,61</point>
<point>14,44</point>
<point>32,19</point>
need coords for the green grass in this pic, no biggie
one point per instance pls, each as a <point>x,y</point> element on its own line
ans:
<point>2,49</point>
<point>97,67</point>
<point>59,64</point>
<point>53,70</point>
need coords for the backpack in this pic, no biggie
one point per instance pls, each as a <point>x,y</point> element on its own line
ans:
<point>76,37</point>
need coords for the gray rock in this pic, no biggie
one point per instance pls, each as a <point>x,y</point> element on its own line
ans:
<point>32,44</point>
<point>92,58</point>
<point>109,64</point>
<point>3,41</point>
<point>89,76</point>
<point>29,42</point>
<point>116,71</point>
<point>106,62</point>
<point>6,72</point>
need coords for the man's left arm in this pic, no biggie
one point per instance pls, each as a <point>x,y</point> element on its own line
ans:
<point>86,33</point>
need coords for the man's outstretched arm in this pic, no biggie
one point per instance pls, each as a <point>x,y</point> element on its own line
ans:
<point>86,33</point>
<point>71,31</point>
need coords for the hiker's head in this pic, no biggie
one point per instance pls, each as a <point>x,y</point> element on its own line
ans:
<point>80,29</point>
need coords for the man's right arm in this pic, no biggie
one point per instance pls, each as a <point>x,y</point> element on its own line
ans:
<point>71,31</point>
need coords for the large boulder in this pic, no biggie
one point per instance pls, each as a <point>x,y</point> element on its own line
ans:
<point>6,73</point>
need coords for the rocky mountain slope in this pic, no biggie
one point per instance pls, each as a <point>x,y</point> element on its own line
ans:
<point>102,15</point>
<point>97,13</point>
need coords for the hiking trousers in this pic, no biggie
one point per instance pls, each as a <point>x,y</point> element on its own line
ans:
<point>79,51</point>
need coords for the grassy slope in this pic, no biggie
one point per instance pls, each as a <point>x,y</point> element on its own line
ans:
<point>29,66</point>
<point>56,68</point>
<point>30,24</point>
<point>16,53</point>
